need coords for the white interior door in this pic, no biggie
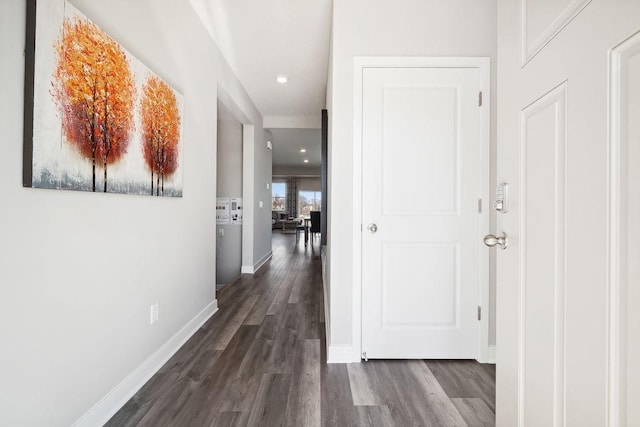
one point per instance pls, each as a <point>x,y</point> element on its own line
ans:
<point>562,334</point>
<point>420,189</point>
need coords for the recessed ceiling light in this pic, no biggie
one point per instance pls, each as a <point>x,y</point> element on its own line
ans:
<point>282,79</point>
<point>302,150</point>
<point>306,160</point>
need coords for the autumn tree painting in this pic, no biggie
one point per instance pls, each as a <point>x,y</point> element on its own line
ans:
<point>95,93</point>
<point>160,118</point>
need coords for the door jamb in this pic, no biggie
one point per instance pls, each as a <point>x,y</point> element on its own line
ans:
<point>484,131</point>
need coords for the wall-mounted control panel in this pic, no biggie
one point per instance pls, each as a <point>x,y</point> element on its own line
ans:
<point>501,203</point>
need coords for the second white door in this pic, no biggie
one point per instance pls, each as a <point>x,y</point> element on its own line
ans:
<point>421,184</point>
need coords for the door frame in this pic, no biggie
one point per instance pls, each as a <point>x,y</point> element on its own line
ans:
<point>233,105</point>
<point>485,354</point>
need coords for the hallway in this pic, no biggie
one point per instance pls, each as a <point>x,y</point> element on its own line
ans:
<point>261,360</point>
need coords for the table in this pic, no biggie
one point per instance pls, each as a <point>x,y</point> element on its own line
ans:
<point>286,222</point>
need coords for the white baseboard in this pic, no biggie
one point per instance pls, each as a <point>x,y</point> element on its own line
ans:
<point>262,262</point>
<point>335,353</point>
<point>491,354</point>
<point>251,269</point>
<point>487,354</point>
<point>327,318</point>
<point>340,354</point>
<point>102,411</point>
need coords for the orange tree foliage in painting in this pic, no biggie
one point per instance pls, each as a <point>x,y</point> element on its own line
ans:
<point>95,91</point>
<point>160,131</point>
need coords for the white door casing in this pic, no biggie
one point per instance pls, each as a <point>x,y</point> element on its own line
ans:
<point>562,331</point>
<point>424,141</point>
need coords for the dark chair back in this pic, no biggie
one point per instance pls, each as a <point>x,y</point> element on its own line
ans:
<point>315,221</point>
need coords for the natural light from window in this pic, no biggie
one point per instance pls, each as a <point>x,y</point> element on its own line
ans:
<point>309,201</point>
<point>278,196</point>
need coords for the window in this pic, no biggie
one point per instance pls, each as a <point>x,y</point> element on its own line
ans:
<point>309,201</point>
<point>278,196</point>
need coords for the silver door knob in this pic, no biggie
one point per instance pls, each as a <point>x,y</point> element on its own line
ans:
<point>372,228</point>
<point>491,240</point>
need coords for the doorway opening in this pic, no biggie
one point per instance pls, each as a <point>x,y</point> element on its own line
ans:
<point>229,198</point>
<point>297,191</point>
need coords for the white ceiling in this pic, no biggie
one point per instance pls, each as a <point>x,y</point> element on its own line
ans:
<point>287,144</point>
<point>267,38</point>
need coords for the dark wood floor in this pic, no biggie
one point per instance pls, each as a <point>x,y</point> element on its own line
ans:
<point>261,360</point>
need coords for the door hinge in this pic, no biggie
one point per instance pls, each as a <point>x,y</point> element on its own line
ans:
<point>364,356</point>
<point>479,205</point>
<point>479,313</point>
<point>480,99</point>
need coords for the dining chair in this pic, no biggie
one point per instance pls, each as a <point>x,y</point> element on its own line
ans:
<point>315,223</point>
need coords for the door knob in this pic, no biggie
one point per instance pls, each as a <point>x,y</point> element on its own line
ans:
<point>491,240</point>
<point>372,228</point>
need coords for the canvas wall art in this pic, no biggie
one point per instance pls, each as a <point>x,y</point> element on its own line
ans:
<point>96,118</point>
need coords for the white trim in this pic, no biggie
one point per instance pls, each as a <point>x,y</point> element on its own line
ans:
<point>340,354</point>
<point>483,64</point>
<point>613,246</point>
<point>356,334</point>
<point>262,262</point>
<point>484,219</point>
<point>572,10</point>
<point>102,411</point>
<point>491,355</point>
<point>617,282</point>
<point>252,269</point>
<point>325,289</point>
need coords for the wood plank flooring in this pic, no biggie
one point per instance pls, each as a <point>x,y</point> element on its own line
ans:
<point>261,361</point>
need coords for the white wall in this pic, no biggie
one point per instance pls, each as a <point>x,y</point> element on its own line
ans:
<point>79,271</point>
<point>383,28</point>
<point>326,254</point>
<point>229,184</point>
<point>262,219</point>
